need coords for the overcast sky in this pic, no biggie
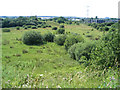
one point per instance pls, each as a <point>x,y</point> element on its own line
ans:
<point>100,8</point>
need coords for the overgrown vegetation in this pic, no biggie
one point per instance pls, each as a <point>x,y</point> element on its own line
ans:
<point>72,39</point>
<point>60,39</point>
<point>68,55</point>
<point>32,38</point>
<point>6,30</point>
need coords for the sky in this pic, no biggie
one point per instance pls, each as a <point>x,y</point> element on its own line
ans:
<point>100,8</point>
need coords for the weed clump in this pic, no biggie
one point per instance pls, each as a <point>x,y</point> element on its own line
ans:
<point>24,51</point>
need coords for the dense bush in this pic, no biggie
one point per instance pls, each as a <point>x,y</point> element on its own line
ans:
<point>72,39</point>
<point>48,37</point>
<point>106,28</point>
<point>71,50</point>
<point>39,26</point>
<point>60,39</point>
<point>25,27</point>
<point>61,31</point>
<point>18,28</point>
<point>112,29</point>
<point>29,26</point>
<point>101,29</point>
<point>32,38</point>
<point>61,26</point>
<point>106,53</point>
<point>44,26</point>
<point>78,50</point>
<point>88,35</point>
<point>54,28</point>
<point>49,25</point>
<point>6,30</point>
<point>83,49</point>
<point>34,27</point>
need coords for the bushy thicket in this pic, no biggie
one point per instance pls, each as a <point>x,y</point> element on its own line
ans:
<point>6,30</point>
<point>72,39</point>
<point>103,26</point>
<point>18,28</point>
<point>25,27</point>
<point>32,38</point>
<point>107,51</point>
<point>60,31</point>
<point>78,50</point>
<point>49,37</point>
<point>19,21</point>
<point>34,27</point>
<point>54,28</point>
<point>60,39</point>
<point>61,26</point>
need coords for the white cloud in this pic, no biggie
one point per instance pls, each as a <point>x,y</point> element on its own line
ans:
<point>100,8</point>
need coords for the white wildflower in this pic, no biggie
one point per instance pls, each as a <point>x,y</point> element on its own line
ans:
<point>58,86</point>
<point>47,86</point>
<point>41,75</point>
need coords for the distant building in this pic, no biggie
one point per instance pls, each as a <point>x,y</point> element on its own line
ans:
<point>100,21</point>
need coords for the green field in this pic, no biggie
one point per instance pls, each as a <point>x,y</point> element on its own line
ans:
<point>47,65</point>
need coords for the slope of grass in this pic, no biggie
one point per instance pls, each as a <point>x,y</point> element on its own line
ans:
<point>48,65</point>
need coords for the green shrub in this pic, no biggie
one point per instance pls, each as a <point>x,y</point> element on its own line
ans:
<point>83,49</point>
<point>49,37</point>
<point>54,28</point>
<point>44,26</point>
<point>88,35</point>
<point>78,50</point>
<point>61,26</point>
<point>18,28</point>
<point>49,25</point>
<point>77,23</point>
<point>106,28</point>
<point>60,39</point>
<point>112,29</point>
<point>39,26</point>
<point>61,31</point>
<point>6,30</point>
<point>72,39</point>
<point>71,50</point>
<point>29,26</point>
<point>32,38</point>
<point>25,27</point>
<point>101,29</point>
<point>106,53</point>
<point>34,27</point>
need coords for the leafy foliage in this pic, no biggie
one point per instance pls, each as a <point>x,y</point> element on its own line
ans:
<point>18,28</point>
<point>61,31</point>
<point>60,39</point>
<point>49,37</point>
<point>81,49</point>
<point>54,28</point>
<point>61,26</point>
<point>106,53</point>
<point>34,27</point>
<point>72,39</point>
<point>32,38</point>
<point>6,30</point>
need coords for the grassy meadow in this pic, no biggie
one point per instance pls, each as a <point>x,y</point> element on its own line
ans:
<point>48,65</point>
